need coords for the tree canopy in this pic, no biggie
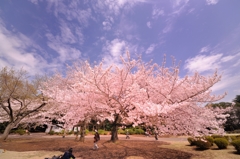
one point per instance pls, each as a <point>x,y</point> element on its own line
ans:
<point>20,99</point>
<point>137,92</point>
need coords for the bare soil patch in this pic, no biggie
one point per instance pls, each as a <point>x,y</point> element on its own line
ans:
<point>122,149</point>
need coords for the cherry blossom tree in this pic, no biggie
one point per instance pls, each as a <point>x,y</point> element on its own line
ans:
<point>177,104</point>
<point>20,99</point>
<point>137,92</point>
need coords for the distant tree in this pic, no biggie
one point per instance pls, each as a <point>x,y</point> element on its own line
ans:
<point>221,105</point>
<point>237,101</point>
<point>19,98</point>
<point>233,120</point>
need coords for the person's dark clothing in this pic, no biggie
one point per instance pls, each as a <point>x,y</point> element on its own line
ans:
<point>97,136</point>
<point>68,155</point>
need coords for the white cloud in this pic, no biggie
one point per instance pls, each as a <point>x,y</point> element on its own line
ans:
<point>157,12</point>
<point>205,49</point>
<point>227,58</point>
<point>66,52</point>
<point>107,24</point>
<point>149,25</point>
<point>113,51</point>
<point>191,10</point>
<point>70,11</point>
<point>109,7</point>
<point>227,67</point>
<point>167,28</point>
<point>66,33</point>
<point>179,6</point>
<point>34,1</point>
<point>202,63</point>
<point>212,2</point>
<point>177,3</point>
<point>150,48</point>
<point>19,51</point>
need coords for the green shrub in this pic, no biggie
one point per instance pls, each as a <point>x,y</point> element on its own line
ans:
<point>233,138</point>
<point>217,136</point>
<point>56,133</point>
<point>210,139</point>
<point>61,132</point>
<point>139,131</point>
<point>121,131</point>
<point>203,144</point>
<point>221,143</point>
<point>238,136</point>
<point>105,133</point>
<point>131,131</point>
<point>70,132</point>
<point>191,141</point>
<point>101,132</point>
<point>236,144</point>
<point>20,131</point>
<point>51,132</point>
<point>86,131</point>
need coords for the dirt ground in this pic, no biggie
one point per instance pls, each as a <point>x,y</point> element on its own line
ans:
<point>135,148</point>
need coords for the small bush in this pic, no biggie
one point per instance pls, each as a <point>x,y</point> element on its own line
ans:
<point>101,132</point>
<point>105,133</point>
<point>69,132</point>
<point>233,138</point>
<point>121,131</point>
<point>139,131</point>
<point>221,143</point>
<point>203,144</point>
<point>209,139</point>
<point>51,132</point>
<point>131,132</point>
<point>57,133</point>
<point>86,132</point>
<point>191,141</point>
<point>236,144</point>
<point>217,136</point>
<point>20,131</point>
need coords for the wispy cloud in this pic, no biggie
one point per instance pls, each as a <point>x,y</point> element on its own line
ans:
<point>107,24</point>
<point>205,49</point>
<point>107,7</point>
<point>202,63</point>
<point>156,12</point>
<point>168,26</point>
<point>179,6</point>
<point>113,50</point>
<point>19,51</point>
<point>34,1</point>
<point>212,2</point>
<point>227,66</point>
<point>150,49</point>
<point>65,52</point>
<point>149,25</point>
<point>70,11</point>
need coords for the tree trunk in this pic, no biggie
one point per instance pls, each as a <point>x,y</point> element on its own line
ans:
<point>114,132</point>
<point>64,133</point>
<point>7,131</point>
<point>82,133</point>
<point>77,134</point>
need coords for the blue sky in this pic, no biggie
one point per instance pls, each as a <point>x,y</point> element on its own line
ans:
<point>44,36</point>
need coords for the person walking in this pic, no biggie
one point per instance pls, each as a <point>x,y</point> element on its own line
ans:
<point>156,134</point>
<point>96,139</point>
<point>127,135</point>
